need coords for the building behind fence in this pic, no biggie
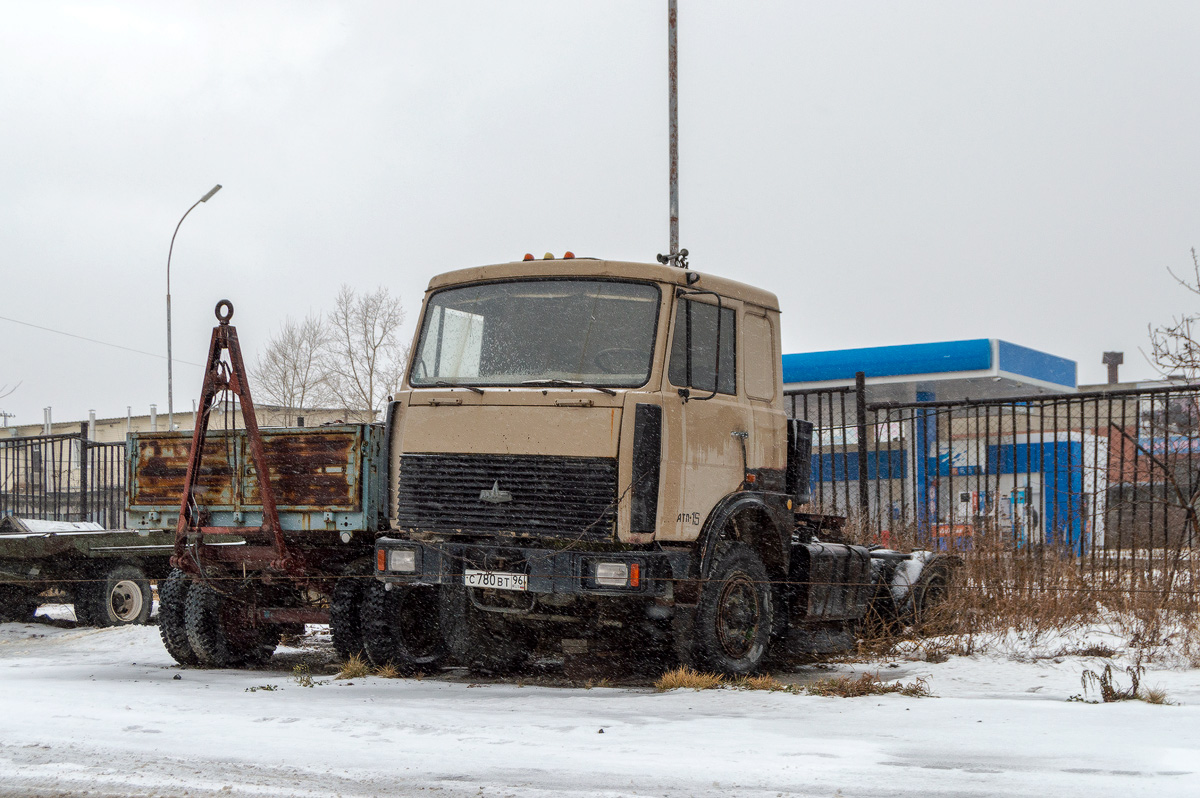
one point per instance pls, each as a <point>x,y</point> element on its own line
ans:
<point>1105,476</point>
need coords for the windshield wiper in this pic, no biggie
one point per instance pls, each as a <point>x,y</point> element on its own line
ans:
<point>444,384</point>
<point>570,384</point>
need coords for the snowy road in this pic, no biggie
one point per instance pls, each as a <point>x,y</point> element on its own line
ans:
<point>102,710</point>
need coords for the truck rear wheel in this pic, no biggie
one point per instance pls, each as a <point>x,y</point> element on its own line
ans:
<point>119,596</point>
<point>222,630</point>
<point>172,623</point>
<point>401,626</point>
<point>17,603</point>
<point>345,626</point>
<point>931,591</point>
<point>735,616</point>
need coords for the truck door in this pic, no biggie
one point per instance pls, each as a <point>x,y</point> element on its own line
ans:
<point>706,423</point>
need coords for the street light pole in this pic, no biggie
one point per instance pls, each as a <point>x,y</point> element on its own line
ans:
<point>170,380</point>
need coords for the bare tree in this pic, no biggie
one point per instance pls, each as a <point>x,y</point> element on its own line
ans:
<point>365,358</point>
<point>1174,349</point>
<point>291,370</point>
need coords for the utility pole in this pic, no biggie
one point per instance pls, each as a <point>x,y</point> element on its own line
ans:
<point>676,256</point>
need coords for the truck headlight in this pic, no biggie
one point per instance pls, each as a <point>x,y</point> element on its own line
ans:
<point>612,574</point>
<point>402,560</point>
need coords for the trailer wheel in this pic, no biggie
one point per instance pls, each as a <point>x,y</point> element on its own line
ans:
<point>172,623</point>
<point>735,616</point>
<point>17,603</point>
<point>487,646</point>
<point>344,609</point>
<point>119,596</point>
<point>222,630</point>
<point>401,626</point>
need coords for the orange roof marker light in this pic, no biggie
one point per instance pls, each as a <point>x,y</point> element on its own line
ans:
<point>568,255</point>
<point>548,256</point>
<point>528,256</point>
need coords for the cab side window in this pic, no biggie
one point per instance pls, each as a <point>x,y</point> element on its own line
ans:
<point>696,352</point>
<point>761,362</point>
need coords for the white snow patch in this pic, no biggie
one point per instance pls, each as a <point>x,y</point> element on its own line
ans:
<point>100,710</point>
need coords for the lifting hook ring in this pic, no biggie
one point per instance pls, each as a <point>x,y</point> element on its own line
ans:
<point>228,314</point>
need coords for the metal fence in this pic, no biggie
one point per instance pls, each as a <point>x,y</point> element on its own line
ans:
<point>63,478</point>
<point>1109,478</point>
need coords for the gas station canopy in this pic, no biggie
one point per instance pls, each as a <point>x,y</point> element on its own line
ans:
<point>981,368</point>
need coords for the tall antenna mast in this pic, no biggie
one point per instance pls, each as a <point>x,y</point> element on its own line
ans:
<point>677,257</point>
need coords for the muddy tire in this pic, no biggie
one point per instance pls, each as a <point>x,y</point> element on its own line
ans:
<point>735,616</point>
<point>488,646</point>
<point>222,631</point>
<point>17,603</point>
<point>402,627</point>
<point>172,622</point>
<point>119,596</point>
<point>345,605</point>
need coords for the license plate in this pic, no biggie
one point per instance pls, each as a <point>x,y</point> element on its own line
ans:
<point>496,580</point>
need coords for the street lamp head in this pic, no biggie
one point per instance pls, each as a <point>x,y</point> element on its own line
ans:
<point>212,191</point>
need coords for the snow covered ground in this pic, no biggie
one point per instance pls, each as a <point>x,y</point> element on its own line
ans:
<point>108,712</point>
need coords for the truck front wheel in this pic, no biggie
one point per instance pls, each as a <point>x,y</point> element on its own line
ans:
<point>488,645</point>
<point>119,596</point>
<point>401,627</point>
<point>735,616</point>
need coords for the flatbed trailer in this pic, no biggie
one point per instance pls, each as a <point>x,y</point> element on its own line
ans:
<point>105,573</point>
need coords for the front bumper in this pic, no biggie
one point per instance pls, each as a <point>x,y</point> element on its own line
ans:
<point>647,573</point>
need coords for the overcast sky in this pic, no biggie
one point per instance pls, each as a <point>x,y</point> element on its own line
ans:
<point>895,172</point>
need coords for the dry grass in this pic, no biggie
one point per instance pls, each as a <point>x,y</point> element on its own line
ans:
<point>685,677</point>
<point>354,668</point>
<point>1036,593</point>
<point>1154,695</point>
<point>864,685</point>
<point>764,682</point>
<point>388,671</point>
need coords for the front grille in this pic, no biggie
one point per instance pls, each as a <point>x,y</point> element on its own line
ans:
<point>572,497</point>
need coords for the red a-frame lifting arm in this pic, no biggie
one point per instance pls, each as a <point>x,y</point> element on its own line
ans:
<point>221,376</point>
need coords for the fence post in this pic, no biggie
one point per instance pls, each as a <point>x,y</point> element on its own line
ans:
<point>860,406</point>
<point>83,471</point>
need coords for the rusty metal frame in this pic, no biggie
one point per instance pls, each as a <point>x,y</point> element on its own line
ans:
<point>220,376</point>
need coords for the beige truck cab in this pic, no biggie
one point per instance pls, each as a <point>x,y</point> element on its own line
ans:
<point>585,449</point>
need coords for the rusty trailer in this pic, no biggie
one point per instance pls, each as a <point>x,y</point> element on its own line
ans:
<point>272,528</point>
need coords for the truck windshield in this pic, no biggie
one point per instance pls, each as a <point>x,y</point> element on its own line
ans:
<point>589,332</point>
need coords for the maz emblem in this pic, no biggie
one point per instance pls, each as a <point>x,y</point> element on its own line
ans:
<point>495,495</point>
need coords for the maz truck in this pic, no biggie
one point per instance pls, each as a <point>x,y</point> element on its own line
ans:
<point>593,455</point>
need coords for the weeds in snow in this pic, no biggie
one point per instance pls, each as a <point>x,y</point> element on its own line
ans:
<point>1033,601</point>
<point>764,682</point>
<point>1154,695</point>
<point>302,675</point>
<point>685,677</point>
<point>354,668</point>
<point>866,684</point>
<point>840,686</point>
<point>387,671</point>
<point>266,688</point>
<point>1103,683</point>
